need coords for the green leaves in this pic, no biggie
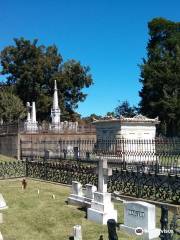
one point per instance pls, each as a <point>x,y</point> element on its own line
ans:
<point>32,69</point>
<point>125,110</point>
<point>160,75</point>
<point>11,107</point>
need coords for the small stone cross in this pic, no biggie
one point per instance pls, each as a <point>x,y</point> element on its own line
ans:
<point>103,173</point>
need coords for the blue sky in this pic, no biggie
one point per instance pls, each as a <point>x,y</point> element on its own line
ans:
<point>108,35</point>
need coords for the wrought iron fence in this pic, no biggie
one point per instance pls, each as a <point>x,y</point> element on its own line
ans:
<point>14,169</point>
<point>160,155</point>
<point>135,182</point>
<point>148,169</point>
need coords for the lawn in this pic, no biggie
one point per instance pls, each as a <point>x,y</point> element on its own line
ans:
<point>33,217</point>
<point>4,158</point>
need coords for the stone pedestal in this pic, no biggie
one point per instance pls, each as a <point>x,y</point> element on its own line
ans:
<point>102,208</point>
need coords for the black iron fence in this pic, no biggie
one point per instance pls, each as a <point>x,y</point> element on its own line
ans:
<point>148,169</point>
<point>136,182</point>
<point>160,155</point>
<point>12,169</point>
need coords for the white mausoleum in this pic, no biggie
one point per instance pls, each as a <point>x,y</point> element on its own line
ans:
<point>138,127</point>
<point>136,134</point>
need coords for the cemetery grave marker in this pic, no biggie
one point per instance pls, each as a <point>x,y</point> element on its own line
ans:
<point>2,207</point>
<point>140,219</point>
<point>102,208</point>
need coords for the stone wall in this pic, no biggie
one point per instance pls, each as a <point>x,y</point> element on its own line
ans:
<point>18,145</point>
<point>9,145</point>
<point>35,145</point>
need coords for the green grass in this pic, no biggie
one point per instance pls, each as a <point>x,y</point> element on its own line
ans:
<point>4,158</point>
<point>30,217</point>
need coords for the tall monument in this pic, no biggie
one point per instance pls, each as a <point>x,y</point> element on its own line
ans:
<point>31,125</point>
<point>55,110</point>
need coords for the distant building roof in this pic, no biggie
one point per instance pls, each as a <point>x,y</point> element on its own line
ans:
<point>138,118</point>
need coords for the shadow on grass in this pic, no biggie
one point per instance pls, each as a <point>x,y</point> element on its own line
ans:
<point>83,209</point>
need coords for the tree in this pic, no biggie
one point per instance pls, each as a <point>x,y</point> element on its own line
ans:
<point>160,75</point>
<point>11,107</point>
<point>90,119</point>
<point>110,114</point>
<point>32,69</point>
<point>125,109</point>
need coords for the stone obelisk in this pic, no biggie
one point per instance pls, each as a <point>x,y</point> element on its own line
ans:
<point>55,111</point>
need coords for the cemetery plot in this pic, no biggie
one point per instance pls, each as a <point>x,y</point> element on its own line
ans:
<point>34,213</point>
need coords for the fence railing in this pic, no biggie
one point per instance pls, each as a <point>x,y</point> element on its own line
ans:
<point>45,128</point>
<point>134,182</point>
<point>160,155</point>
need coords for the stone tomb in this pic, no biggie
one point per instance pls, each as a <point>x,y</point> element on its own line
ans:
<point>81,197</point>
<point>140,217</point>
<point>133,132</point>
<point>102,208</point>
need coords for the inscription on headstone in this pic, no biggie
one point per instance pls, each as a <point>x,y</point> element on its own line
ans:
<point>140,215</point>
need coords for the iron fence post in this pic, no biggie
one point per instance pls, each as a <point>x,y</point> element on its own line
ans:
<point>26,167</point>
<point>165,231</point>
<point>156,166</point>
<point>45,166</point>
<point>138,182</point>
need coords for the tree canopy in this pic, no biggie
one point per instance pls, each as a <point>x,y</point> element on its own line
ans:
<point>32,69</point>
<point>125,109</point>
<point>160,75</point>
<point>11,107</point>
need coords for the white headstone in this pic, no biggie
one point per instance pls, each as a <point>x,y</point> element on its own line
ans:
<point>77,196</point>
<point>102,208</point>
<point>77,232</point>
<point>140,216</point>
<point>90,189</point>
<point>77,188</point>
<point>2,207</point>
<point>2,203</point>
